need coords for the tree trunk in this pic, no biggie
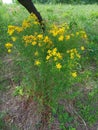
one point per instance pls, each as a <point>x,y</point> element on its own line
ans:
<point>28,4</point>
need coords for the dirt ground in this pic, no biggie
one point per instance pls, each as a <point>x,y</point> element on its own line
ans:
<point>25,115</point>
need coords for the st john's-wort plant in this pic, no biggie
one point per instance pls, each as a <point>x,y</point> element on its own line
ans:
<point>50,62</point>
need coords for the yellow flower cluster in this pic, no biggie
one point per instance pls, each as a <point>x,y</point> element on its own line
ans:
<point>9,46</point>
<point>73,53</point>
<point>57,30</point>
<point>33,16</point>
<point>82,34</point>
<point>35,39</point>
<point>39,39</point>
<point>54,54</point>
<point>26,24</point>
<point>33,19</point>
<point>12,29</point>
<point>48,44</point>
<point>40,36</point>
<point>60,32</point>
<point>47,40</point>
<point>62,38</point>
<point>29,39</point>
<point>18,29</point>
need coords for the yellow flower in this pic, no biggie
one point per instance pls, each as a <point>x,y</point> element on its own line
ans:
<point>54,30</point>
<point>9,50</point>
<point>54,33</point>
<point>49,51</point>
<point>11,29</point>
<point>85,36</point>
<point>36,22</point>
<point>71,55</point>
<point>29,39</point>
<point>40,36</point>
<point>59,55</point>
<point>79,56</point>
<point>54,51</point>
<point>67,37</point>
<point>13,39</point>
<point>58,66</point>
<point>26,24</point>
<point>8,45</point>
<point>82,48</point>
<point>61,38</point>
<point>34,43</point>
<point>48,57</point>
<point>37,62</point>
<point>18,29</point>
<point>46,39</point>
<point>74,74</point>
<point>33,16</point>
<point>61,30</point>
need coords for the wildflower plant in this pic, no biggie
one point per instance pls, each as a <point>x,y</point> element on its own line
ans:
<point>50,61</point>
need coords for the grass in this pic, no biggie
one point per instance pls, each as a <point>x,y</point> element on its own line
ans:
<point>78,17</point>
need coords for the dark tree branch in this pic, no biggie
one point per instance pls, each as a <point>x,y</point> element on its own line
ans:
<point>28,4</point>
